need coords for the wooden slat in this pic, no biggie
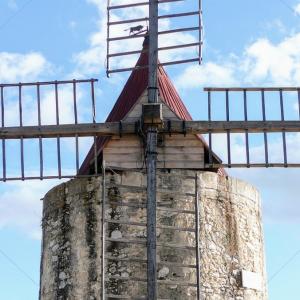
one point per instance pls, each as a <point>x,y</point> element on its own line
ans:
<point>181,165</point>
<point>186,157</point>
<point>121,157</point>
<point>117,150</point>
<point>182,142</point>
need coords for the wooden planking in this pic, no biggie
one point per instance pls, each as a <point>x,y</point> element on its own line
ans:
<point>181,165</point>
<point>126,165</point>
<point>181,157</point>
<point>128,157</point>
<point>179,151</point>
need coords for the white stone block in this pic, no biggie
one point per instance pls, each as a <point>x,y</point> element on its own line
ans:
<point>251,280</point>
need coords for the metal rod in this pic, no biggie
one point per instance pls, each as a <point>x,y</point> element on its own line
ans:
<point>298,90</point>
<point>22,157</point>
<point>159,49</point>
<point>75,102</point>
<point>145,19</point>
<point>95,156</point>
<point>45,82</point>
<point>38,94</point>
<point>140,4</point>
<point>57,123</point>
<point>107,37</point>
<point>200,32</point>
<point>128,37</point>
<point>228,131</point>
<point>56,103</point>
<point>176,62</point>
<point>3,140</point>
<point>41,158</point>
<point>4,160</point>
<point>264,119</point>
<point>246,131</point>
<point>127,21</point>
<point>179,15</point>
<point>103,231</point>
<point>93,101</point>
<point>20,105</point>
<point>197,235</point>
<point>21,124</point>
<point>58,157</point>
<point>39,124</point>
<point>195,28</point>
<point>283,132</point>
<point>209,134</point>
<point>76,122</point>
<point>2,106</point>
<point>77,152</point>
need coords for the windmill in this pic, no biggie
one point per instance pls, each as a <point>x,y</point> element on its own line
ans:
<point>152,122</point>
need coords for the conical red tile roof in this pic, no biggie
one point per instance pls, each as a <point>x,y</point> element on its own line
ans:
<point>136,84</point>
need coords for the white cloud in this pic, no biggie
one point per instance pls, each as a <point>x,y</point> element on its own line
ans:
<point>297,9</point>
<point>262,63</point>
<point>22,67</point>
<point>20,205</point>
<point>207,74</point>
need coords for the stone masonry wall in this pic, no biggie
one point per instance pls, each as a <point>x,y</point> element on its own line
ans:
<point>231,238</point>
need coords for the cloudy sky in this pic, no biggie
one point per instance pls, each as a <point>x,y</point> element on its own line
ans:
<point>247,43</point>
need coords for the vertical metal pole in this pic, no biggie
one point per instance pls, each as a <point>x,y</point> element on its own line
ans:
<point>152,153</point>
<point>265,133</point>
<point>197,235</point>
<point>103,231</point>
<point>283,132</point>
<point>210,159</point>
<point>299,101</point>
<point>38,94</point>
<point>94,121</point>
<point>200,32</point>
<point>3,140</point>
<point>107,38</point>
<point>76,122</point>
<point>228,131</point>
<point>58,138</point>
<point>21,125</point>
<point>246,133</point>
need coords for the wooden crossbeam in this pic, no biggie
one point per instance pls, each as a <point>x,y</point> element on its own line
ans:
<point>113,128</point>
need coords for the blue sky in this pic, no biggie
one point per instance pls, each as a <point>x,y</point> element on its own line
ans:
<point>246,43</point>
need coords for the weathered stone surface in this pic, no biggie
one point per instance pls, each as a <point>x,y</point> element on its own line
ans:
<point>231,237</point>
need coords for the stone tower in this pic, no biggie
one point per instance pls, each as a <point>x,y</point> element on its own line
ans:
<point>231,259</point>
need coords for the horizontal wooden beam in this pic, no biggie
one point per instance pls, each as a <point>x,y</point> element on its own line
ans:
<point>114,128</point>
<point>251,89</point>
<point>204,127</point>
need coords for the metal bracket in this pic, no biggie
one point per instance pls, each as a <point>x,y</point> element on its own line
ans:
<point>120,129</point>
<point>184,128</point>
<point>169,127</point>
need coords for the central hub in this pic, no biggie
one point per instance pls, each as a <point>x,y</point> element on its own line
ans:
<point>152,114</point>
